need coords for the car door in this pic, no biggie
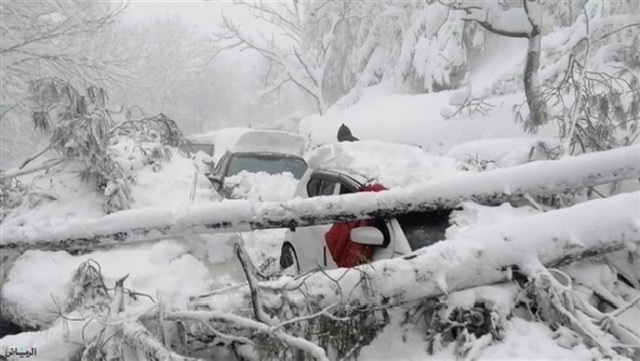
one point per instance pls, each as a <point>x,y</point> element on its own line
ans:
<point>217,176</point>
<point>311,248</point>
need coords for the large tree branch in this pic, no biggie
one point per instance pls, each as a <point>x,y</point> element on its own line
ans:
<point>487,26</point>
<point>305,67</point>
<point>536,178</point>
<point>488,255</point>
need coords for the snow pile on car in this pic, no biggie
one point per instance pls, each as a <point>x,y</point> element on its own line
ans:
<point>392,165</point>
<point>223,139</point>
<point>270,141</point>
<point>262,186</point>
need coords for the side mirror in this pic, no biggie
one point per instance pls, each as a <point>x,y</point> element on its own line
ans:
<point>367,236</point>
<point>207,159</point>
<point>215,181</point>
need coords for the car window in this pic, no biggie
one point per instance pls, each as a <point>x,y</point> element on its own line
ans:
<point>271,164</point>
<point>321,186</point>
<point>344,189</point>
<point>327,187</point>
<point>424,228</point>
<point>313,186</point>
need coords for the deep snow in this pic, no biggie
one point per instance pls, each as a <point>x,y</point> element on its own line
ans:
<point>179,268</point>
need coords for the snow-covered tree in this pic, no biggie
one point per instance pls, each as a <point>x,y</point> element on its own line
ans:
<point>41,38</point>
<point>585,77</point>
<point>331,49</point>
<point>591,76</point>
<point>49,39</point>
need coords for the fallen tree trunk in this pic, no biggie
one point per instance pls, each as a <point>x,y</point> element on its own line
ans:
<point>490,255</point>
<point>532,179</point>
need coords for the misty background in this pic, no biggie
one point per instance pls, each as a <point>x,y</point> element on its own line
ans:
<point>209,65</point>
<point>150,57</point>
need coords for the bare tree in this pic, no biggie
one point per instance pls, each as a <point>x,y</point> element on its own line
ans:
<point>298,40</point>
<point>51,38</point>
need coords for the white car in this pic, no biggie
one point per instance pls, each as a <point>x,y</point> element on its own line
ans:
<point>344,168</point>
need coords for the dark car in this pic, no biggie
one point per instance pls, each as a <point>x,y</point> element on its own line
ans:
<point>271,152</point>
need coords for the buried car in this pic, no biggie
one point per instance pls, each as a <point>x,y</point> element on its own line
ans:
<point>260,151</point>
<point>204,143</point>
<point>365,166</point>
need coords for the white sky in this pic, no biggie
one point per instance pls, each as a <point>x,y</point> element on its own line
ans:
<point>203,14</point>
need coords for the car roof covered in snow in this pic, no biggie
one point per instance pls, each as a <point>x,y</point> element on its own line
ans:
<point>271,141</point>
<point>389,164</point>
<point>208,138</point>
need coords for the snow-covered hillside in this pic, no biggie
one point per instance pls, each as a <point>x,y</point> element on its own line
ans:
<point>519,119</point>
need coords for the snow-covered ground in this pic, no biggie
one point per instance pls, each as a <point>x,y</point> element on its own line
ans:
<point>524,340</point>
<point>179,268</point>
<point>175,269</point>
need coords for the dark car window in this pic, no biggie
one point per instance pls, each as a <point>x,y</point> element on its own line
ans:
<point>423,229</point>
<point>266,163</point>
<point>320,186</point>
<point>345,189</point>
<point>313,186</point>
<point>327,187</point>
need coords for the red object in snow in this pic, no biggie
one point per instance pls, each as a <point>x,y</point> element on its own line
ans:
<point>345,252</point>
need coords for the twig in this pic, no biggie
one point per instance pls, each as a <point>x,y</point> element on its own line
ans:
<point>33,157</point>
<point>323,312</point>
<point>533,202</point>
<point>250,273</point>
<point>18,172</point>
<point>210,316</point>
<point>621,310</point>
<point>194,185</point>
<point>116,305</point>
<point>616,31</point>
<point>578,96</point>
<point>136,335</point>
<point>226,336</point>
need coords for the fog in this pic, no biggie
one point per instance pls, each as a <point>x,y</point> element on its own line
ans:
<point>149,57</point>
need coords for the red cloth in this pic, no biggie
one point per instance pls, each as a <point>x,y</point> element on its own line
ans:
<point>345,252</point>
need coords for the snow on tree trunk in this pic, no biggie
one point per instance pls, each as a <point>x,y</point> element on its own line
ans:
<point>532,179</point>
<point>489,255</point>
<point>537,107</point>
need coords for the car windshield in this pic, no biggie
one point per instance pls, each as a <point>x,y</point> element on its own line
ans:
<point>424,228</point>
<point>201,147</point>
<point>271,164</point>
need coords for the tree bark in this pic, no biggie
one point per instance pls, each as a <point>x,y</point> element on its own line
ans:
<point>494,187</point>
<point>537,107</point>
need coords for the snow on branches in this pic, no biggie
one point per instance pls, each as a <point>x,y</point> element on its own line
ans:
<point>532,179</point>
<point>86,139</point>
<point>527,251</point>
